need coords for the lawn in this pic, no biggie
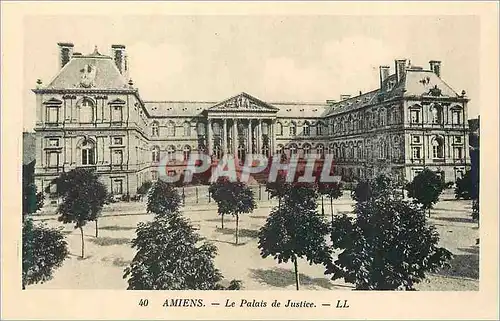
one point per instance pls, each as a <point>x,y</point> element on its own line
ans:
<point>110,253</point>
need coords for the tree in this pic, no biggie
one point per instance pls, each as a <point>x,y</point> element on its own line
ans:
<point>379,187</point>
<point>279,187</point>
<point>163,198</point>
<point>44,250</point>
<point>233,198</point>
<point>295,230</point>
<point>333,190</point>
<point>83,197</point>
<point>467,187</point>
<point>425,188</point>
<point>388,246</point>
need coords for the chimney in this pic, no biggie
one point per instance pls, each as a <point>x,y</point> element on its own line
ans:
<point>120,57</point>
<point>344,97</point>
<point>65,53</point>
<point>436,67</point>
<point>384,73</point>
<point>400,69</point>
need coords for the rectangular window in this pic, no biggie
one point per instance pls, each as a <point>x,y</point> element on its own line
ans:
<point>154,175</point>
<point>52,115</point>
<point>116,114</point>
<point>458,139</point>
<point>456,117</point>
<point>53,159</point>
<point>458,152</point>
<point>117,186</point>
<point>416,152</point>
<point>118,141</point>
<point>319,130</point>
<point>415,139</point>
<point>117,157</point>
<point>54,142</point>
<point>415,116</point>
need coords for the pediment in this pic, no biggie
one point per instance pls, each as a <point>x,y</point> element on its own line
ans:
<point>117,101</point>
<point>52,101</point>
<point>243,102</point>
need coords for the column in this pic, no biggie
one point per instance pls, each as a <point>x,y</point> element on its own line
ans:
<point>249,139</point>
<point>225,149</point>
<point>209,137</point>
<point>259,137</point>
<point>235,137</point>
<point>272,138</point>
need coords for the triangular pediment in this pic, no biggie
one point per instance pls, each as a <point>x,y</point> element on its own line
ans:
<point>52,101</point>
<point>243,102</point>
<point>117,101</point>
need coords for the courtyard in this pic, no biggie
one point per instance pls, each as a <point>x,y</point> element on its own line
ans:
<point>107,255</point>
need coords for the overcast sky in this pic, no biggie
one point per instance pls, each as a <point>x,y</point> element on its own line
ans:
<point>275,58</point>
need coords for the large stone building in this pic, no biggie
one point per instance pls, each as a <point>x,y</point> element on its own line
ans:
<point>91,115</point>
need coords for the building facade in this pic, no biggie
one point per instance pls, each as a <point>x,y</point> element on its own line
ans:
<point>91,115</point>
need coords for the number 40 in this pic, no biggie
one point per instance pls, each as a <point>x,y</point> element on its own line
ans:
<point>143,302</point>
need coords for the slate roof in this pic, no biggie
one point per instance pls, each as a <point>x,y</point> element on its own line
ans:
<point>107,74</point>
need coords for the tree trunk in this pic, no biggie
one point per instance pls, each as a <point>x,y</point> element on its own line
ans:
<point>279,202</point>
<point>83,244</point>
<point>222,220</point>
<point>196,189</point>
<point>322,206</point>
<point>331,208</point>
<point>296,272</point>
<point>96,229</point>
<point>429,211</point>
<point>237,219</point>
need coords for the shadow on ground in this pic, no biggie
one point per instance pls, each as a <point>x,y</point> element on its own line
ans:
<point>242,232</point>
<point>108,241</point>
<point>464,265</point>
<point>282,278</point>
<point>454,219</point>
<point>117,228</point>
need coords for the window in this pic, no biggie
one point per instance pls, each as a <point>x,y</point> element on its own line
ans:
<point>54,142</point>
<point>456,117</point>
<point>53,159</point>
<point>201,129</point>
<point>307,149</point>
<point>415,116</point>
<point>155,155</point>
<point>155,131</point>
<point>320,149</point>
<point>458,139</point>
<point>216,128</point>
<point>265,128</point>
<point>293,129</point>
<point>306,129</point>
<point>86,111</point>
<point>436,113</point>
<point>437,147</point>
<point>171,128</point>
<point>170,152</point>
<point>118,141</point>
<point>88,153</point>
<point>279,129</point>
<point>117,157</point>
<point>319,129</point>
<point>265,150</point>
<point>186,152</point>
<point>154,175</point>
<point>416,152</point>
<point>415,139</point>
<point>280,150</point>
<point>117,186</point>
<point>52,114</point>
<point>458,152</point>
<point>293,149</point>
<point>187,129</point>
<point>116,115</point>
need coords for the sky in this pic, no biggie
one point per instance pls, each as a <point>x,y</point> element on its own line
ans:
<point>308,58</point>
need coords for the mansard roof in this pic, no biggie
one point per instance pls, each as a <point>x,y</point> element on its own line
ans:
<point>89,71</point>
<point>417,83</point>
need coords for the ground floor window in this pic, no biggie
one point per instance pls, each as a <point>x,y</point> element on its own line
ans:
<point>53,159</point>
<point>117,186</point>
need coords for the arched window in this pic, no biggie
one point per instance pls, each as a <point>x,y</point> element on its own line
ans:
<point>307,149</point>
<point>293,149</point>
<point>87,152</point>
<point>436,114</point>
<point>187,129</point>
<point>265,128</point>
<point>170,152</point>
<point>456,115</point>
<point>293,129</point>
<point>383,116</point>
<point>216,129</point>
<point>155,130</point>
<point>437,147</point>
<point>320,149</point>
<point>306,129</point>
<point>241,152</point>
<point>280,150</point>
<point>187,152</point>
<point>86,111</point>
<point>319,128</point>
<point>279,129</point>
<point>217,151</point>
<point>265,150</point>
<point>171,128</point>
<point>201,129</point>
<point>155,154</point>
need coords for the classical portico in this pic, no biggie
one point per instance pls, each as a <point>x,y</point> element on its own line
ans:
<point>241,125</point>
